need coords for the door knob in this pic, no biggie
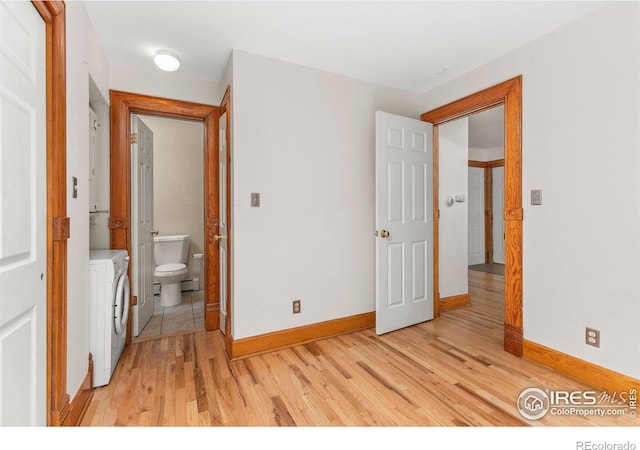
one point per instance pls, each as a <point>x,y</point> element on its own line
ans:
<point>217,237</point>
<point>384,233</point>
<point>155,232</point>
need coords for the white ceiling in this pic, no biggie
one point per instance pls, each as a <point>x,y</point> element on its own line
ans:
<point>414,45</point>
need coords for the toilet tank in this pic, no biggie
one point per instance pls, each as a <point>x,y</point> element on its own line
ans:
<point>170,249</point>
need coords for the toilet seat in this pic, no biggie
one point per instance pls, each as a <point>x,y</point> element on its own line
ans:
<point>170,269</point>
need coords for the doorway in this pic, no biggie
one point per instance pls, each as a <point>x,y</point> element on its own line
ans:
<point>123,105</point>
<point>509,94</point>
<point>486,191</point>
<point>175,200</point>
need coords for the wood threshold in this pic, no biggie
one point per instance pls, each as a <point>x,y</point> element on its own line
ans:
<point>455,301</point>
<point>242,348</point>
<point>592,374</point>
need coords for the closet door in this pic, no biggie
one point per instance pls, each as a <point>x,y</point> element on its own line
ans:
<point>23,229</point>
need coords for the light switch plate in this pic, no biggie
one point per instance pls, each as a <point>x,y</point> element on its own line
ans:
<point>255,200</point>
<point>536,197</point>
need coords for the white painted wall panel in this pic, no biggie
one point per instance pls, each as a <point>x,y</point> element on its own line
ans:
<point>304,139</point>
<point>453,163</point>
<point>84,57</point>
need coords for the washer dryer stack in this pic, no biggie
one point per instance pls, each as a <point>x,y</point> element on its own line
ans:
<point>108,311</point>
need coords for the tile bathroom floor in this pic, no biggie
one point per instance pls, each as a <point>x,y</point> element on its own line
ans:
<point>187,316</point>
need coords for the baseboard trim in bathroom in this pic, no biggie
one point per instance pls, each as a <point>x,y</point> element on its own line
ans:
<point>185,285</point>
<point>241,348</point>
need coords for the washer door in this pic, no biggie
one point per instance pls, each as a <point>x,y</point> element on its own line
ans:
<point>121,304</point>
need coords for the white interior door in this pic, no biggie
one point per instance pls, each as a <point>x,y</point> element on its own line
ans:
<point>476,216</point>
<point>143,265</point>
<point>23,258</point>
<point>404,212</point>
<point>498,214</point>
<point>223,220</point>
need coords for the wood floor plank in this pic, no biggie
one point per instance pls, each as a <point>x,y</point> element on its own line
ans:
<point>451,371</point>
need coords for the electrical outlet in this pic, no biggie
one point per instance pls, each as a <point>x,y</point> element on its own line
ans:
<point>296,306</point>
<point>592,337</point>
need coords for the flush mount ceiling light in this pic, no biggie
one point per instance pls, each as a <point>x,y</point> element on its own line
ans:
<point>166,60</point>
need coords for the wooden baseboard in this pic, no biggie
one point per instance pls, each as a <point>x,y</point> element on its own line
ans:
<point>596,376</point>
<point>81,400</point>
<point>455,301</point>
<point>254,345</point>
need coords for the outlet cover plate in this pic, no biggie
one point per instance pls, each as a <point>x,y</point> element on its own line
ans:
<point>592,337</point>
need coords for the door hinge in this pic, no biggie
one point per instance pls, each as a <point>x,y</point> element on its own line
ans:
<point>134,300</point>
<point>134,138</point>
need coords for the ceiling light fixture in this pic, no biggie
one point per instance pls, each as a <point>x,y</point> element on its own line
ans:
<point>166,60</point>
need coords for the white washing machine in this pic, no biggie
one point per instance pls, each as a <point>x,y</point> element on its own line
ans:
<point>108,311</point>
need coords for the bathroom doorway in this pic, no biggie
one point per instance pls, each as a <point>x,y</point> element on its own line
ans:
<point>123,104</point>
<point>175,199</point>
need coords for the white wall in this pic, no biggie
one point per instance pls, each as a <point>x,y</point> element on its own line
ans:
<point>99,233</point>
<point>178,189</point>
<point>581,134</point>
<point>303,139</point>
<point>486,154</point>
<point>157,83</point>
<point>453,174</point>
<point>84,57</point>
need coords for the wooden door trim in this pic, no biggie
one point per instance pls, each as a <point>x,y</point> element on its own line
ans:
<point>509,94</point>
<point>123,104</point>
<point>488,215</point>
<point>225,107</point>
<point>54,16</point>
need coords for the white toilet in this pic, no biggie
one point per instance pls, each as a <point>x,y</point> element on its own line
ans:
<point>170,255</point>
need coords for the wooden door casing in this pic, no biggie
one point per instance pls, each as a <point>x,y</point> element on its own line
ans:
<point>123,104</point>
<point>509,94</point>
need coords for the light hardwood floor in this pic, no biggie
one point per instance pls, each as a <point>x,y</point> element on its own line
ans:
<point>451,371</point>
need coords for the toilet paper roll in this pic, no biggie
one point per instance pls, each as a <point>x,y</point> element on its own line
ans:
<point>197,264</point>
